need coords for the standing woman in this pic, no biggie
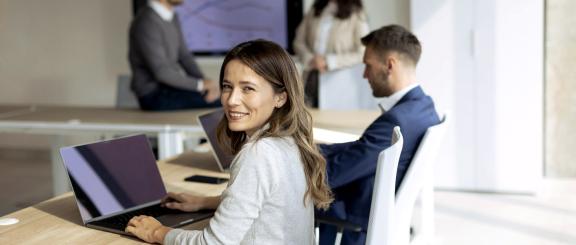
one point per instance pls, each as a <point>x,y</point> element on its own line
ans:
<point>277,176</point>
<point>328,39</point>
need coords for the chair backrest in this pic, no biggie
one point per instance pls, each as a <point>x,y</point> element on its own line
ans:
<point>381,223</point>
<point>125,98</point>
<point>418,177</point>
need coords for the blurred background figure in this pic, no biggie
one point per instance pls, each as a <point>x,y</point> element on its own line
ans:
<point>328,38</point>
<point>165,75</point>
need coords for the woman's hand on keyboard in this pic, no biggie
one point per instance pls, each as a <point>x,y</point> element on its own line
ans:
<point>147,228</point>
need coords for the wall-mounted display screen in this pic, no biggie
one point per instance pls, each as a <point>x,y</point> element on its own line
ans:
<point>212,27</point>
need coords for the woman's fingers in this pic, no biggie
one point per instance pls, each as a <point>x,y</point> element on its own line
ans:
<point>132,223</point>
<point>134,220</point>
<point>171,196</point>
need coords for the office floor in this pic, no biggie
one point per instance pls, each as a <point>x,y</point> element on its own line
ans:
<point>489,219</point>
<point>461,218</point>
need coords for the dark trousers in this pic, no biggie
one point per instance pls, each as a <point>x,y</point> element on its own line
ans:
<point>166,98</point>
<point>311,88</point>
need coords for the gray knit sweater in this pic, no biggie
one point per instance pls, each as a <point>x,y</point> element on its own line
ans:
<point>263,203</point>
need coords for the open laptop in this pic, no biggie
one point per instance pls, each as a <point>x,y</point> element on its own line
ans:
<point>115,180</point>
<point>209,123</point>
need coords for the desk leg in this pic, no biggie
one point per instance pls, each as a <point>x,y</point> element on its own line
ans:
<point>170,144</point>
<point>59,177</point>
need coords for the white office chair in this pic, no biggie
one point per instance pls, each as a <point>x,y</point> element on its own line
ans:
<point>390,221</point>
<point>418,182</point>
<point>380,224</point>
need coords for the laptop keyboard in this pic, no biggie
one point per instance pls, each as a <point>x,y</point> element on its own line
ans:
<point>120,221</point>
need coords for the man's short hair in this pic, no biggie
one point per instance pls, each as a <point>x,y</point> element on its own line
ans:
<point>394,38</point>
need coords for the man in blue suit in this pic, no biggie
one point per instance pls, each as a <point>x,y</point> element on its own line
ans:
<point>391,55</point>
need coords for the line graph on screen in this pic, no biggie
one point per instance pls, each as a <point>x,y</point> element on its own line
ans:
<point>218,25</point>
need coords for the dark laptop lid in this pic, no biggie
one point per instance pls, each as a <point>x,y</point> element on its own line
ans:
<point>114,175</point>
<point>209,123</point>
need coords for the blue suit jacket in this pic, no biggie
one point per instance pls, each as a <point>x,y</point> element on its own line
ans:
<point>351,166</point>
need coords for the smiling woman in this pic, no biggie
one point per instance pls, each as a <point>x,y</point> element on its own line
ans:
<point>248,98</point>
<point>277,176</point>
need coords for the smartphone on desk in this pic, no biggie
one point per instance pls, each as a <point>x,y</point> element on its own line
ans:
<point>206,179</point>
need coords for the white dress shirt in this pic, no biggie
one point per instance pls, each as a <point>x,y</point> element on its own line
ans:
<point>165,13</point>
<point>386,103</point>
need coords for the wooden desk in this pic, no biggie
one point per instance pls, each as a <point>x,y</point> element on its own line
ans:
<point>53,119</point>
<point>354,122</point>
<point>7,111</point>
<point>168,126</point>
<point>58,221</point>
<point>60,120</point>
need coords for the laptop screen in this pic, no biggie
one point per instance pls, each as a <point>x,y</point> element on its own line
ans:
<point>209,123</point>
<point>114,175</point>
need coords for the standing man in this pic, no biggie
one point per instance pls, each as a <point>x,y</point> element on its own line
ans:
<point>391,55</point>
<point>165,75</point>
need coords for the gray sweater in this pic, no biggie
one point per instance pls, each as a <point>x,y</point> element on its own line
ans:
<point>263,203</point>
<point>158,54</point>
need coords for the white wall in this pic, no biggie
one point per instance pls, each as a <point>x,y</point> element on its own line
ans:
<point>483,61</point>
<point>518,96</point>
<point>62,51</point>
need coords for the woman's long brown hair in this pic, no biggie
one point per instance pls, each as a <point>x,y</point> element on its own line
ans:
<point>272,63</point>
